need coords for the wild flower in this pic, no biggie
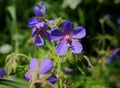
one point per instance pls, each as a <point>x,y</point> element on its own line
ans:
<point>2,73</point>
<point>68,71</point>
<point>37,71</point>
<point>107,16</point>
<point>39,25</point>
<point>118,21</point>
<point>67,37</point>
<point>115,56</point>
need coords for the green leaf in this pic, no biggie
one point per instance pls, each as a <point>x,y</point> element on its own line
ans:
<point>5,83</point>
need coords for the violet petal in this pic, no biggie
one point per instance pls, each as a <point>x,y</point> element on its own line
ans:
<point>32,22</point>
<point>2,73</point>
<point>62,48</point>
<point>108,60</point>
<point>38,40</point>
<point>43,7</point>
<point>79,32</point>
<point>40,25</point>
<point>34,30</point>
<point>37,11</point>
<point>115,51</point>
<point>33,64</point>
<point>56,34</point>
<point>52,79</point>
<point>67,27</point>
<point>27,76</point>
<point>52,22</point>
<point>76,47</point>
<point>45,66</point>
<point>47,35</point>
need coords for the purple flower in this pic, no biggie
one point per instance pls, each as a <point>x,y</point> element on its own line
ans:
<point>108,60</point>
<point>116,54</point>
<point>2,73</point>
<point>44,68</point>
<point>107,16</point>
<point>68,71</point>
<point>39,27</point>
<point>118,21</point>
<point>37,33</point>
<point>67,38</point>
<point>40,11</point>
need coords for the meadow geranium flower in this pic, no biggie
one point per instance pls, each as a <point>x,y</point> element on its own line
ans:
<point>44,68</point>
<point>115,56</point>
<point>107,16</point>
<point>67,38</point>
<point>68,71</point>
<point>39,12</point>
<point>39,27</point>
<point>118,21</point>
<point>2,73</point>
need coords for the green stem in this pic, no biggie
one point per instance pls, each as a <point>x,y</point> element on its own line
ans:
<point>60,74</point>
<point>103,29</point>
<point>103,37</point>
<point>23,56</point>
<point>61,85</point>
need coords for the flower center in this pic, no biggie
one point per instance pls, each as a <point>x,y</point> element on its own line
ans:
<point>67,38</point>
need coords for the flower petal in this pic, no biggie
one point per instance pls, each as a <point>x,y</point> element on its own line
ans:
<point>41,25</point>
<point>76,46</point>
<point>37,11</point>
<point>34,30</point>
<point>43,6</point>
<point>67,27</point>
<point>32,22</point>
<point>52,22</point>
<point>2,73</point>
<point>47,35</point>
<point>115,51</point>
<point>27,76</point>
<point>38,40</point>
<point>52,79</point>
<point>68,71</point>
<point>33,64</point>
<point>46,66</point>
<point>56,34</point>
<point>108,60</point>
<point>79,32</point>
<point>62,48</point>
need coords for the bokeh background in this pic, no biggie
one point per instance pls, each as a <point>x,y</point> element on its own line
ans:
<point>101,18</point>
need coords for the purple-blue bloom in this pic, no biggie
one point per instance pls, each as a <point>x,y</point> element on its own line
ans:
<point>39,27</point>
<point>67,38</point>
<point>2,73</point>
<point>108,60</point>
<point>40,11</point>
<point>118,21</point>
<point>115,56</point>
<point>107,16</point>
<point>44,68</point>
<point>68,71</point>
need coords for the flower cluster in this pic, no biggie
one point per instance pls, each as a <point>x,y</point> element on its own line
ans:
<point>67,35</point>
<point>67,38</point>
<point>40,25</point>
